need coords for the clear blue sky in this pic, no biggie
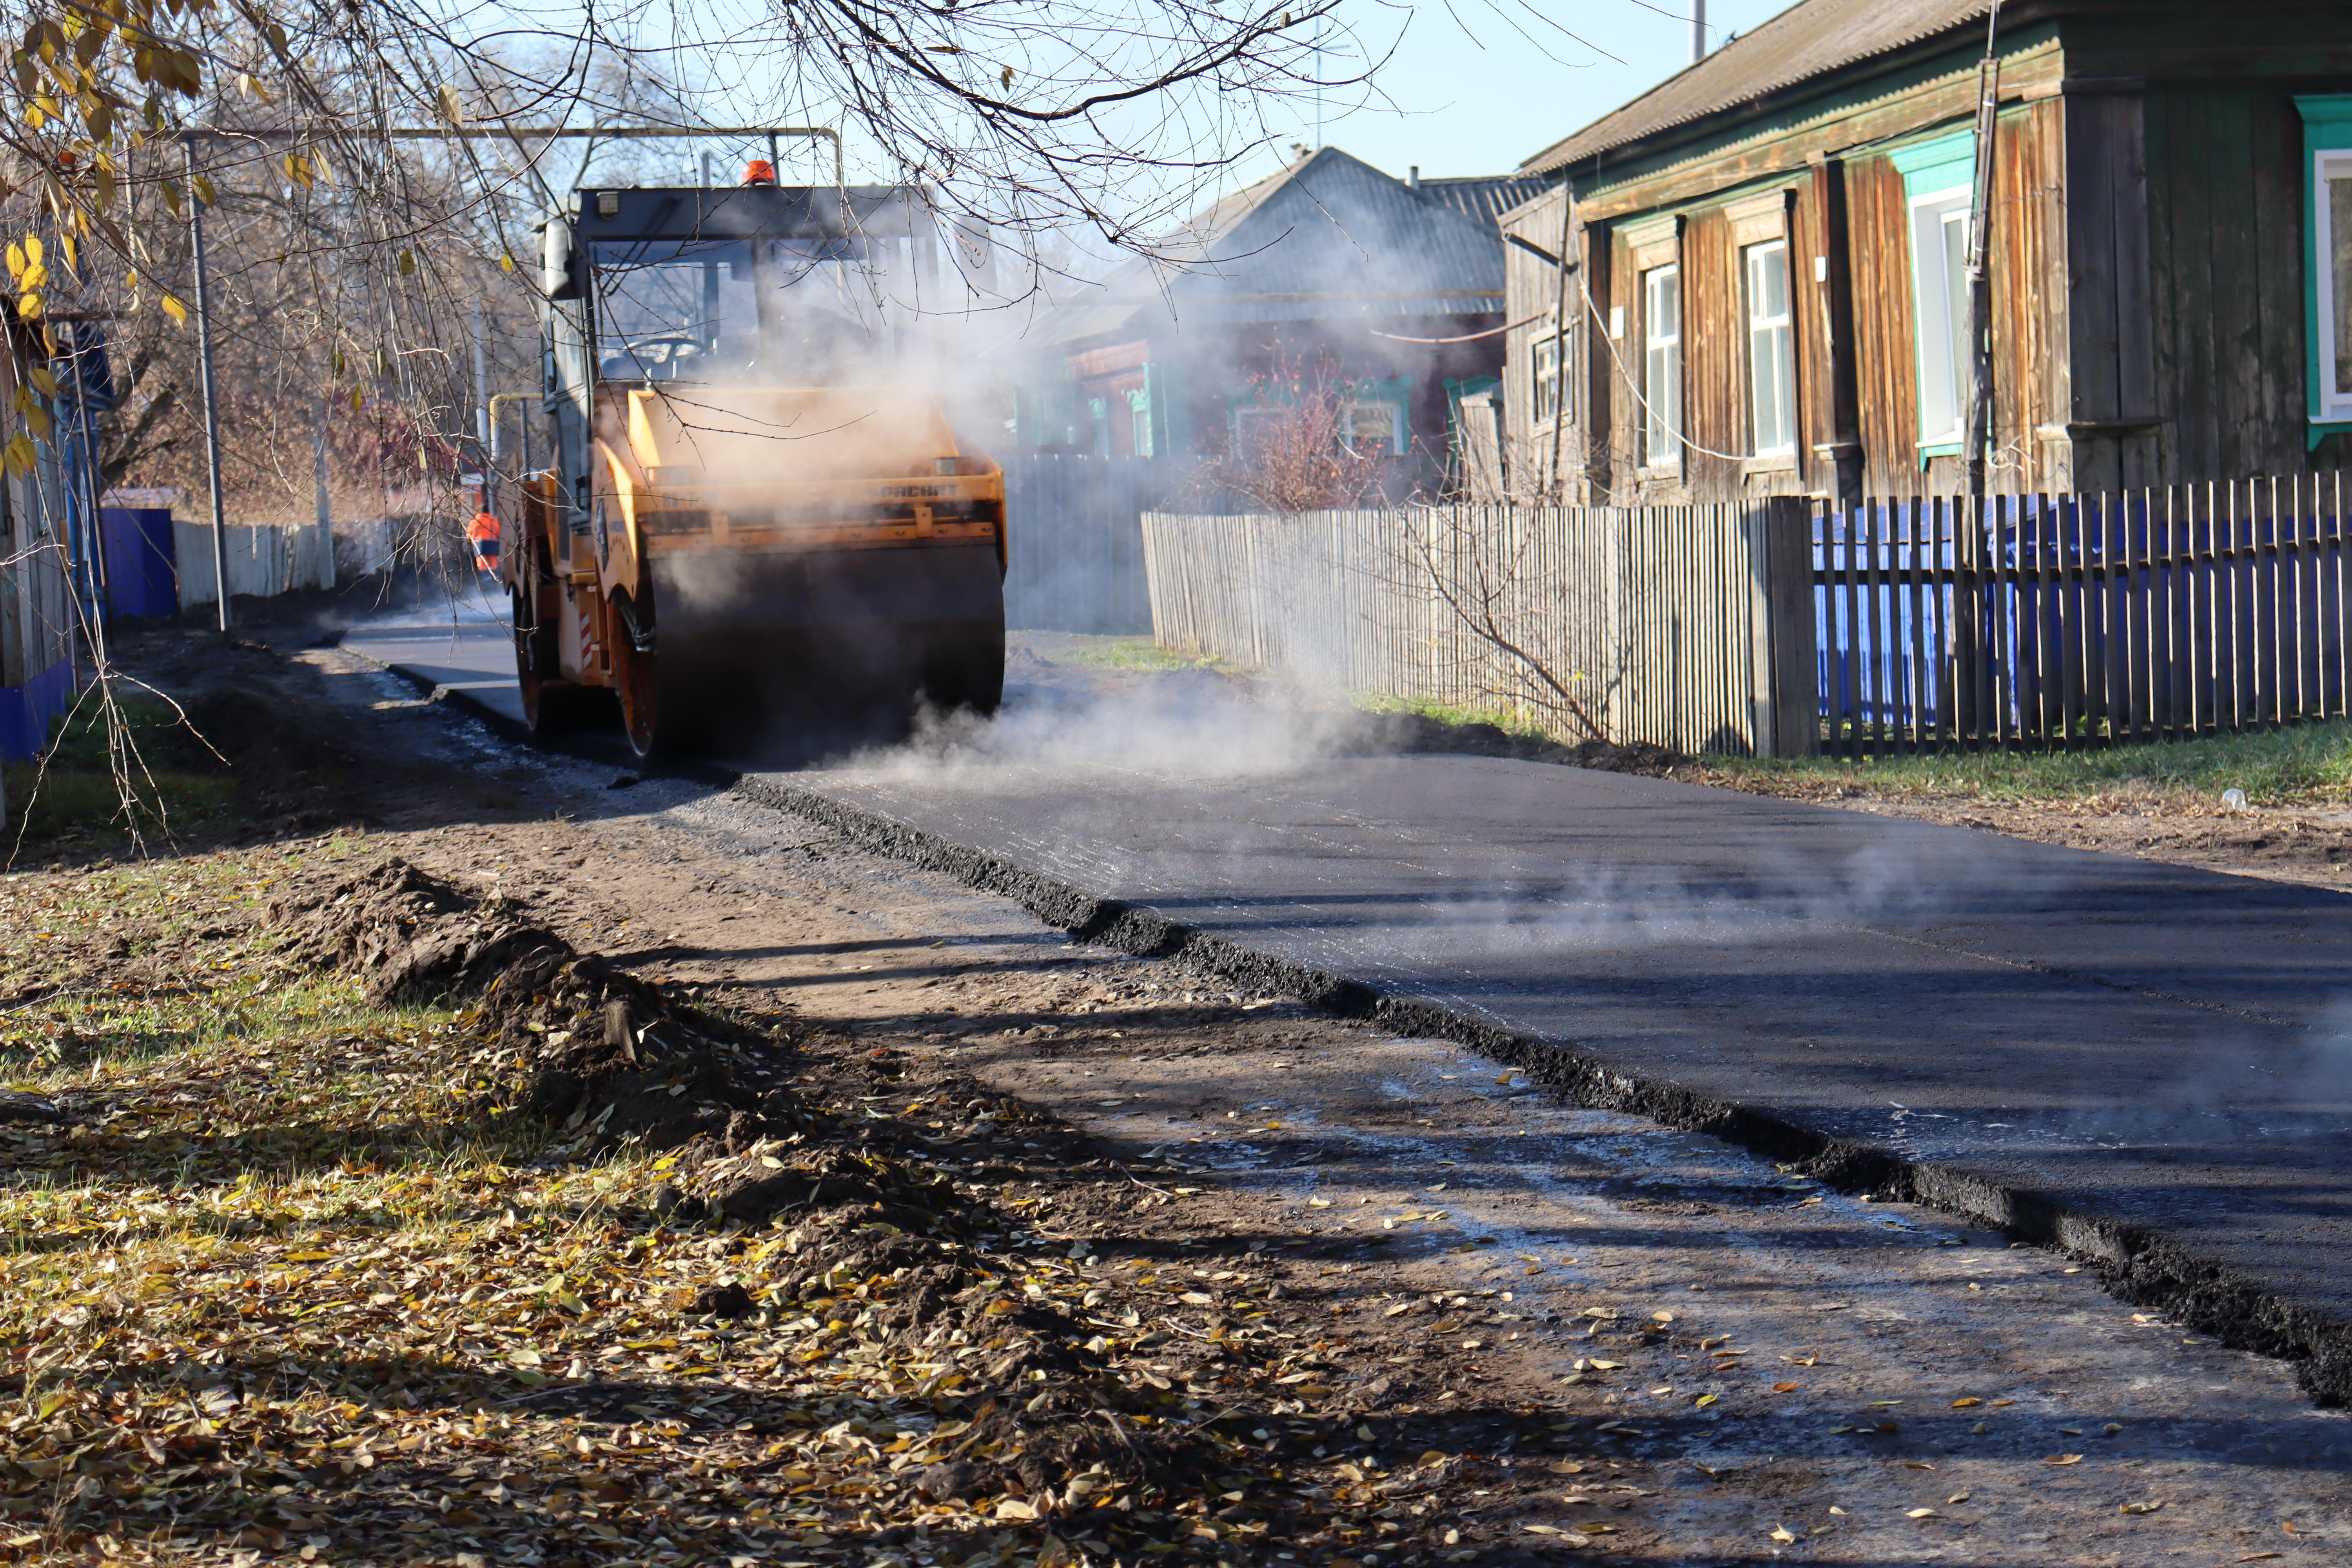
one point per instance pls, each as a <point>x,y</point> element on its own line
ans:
<point>1479,85</point>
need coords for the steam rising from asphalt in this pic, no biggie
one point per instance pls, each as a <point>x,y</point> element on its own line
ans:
<point>1177,727</point>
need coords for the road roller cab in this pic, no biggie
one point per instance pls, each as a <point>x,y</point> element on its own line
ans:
<point>761,530</point>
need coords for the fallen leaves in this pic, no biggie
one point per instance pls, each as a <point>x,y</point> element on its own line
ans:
<point>301,1240</point>
<point>2063,1460</point>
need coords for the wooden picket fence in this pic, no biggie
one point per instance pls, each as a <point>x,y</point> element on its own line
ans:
<point>2082,620</point>
<point>1784,628</point>
<point>1652,625</point>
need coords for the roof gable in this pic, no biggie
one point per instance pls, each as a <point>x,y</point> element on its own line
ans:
<point>1329,237</point>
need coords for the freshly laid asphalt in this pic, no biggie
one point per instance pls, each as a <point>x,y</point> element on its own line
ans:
<point>2150,1063</point>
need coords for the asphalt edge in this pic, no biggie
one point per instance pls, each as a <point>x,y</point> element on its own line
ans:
<point>580,746</point>
<point>2138,1265</point>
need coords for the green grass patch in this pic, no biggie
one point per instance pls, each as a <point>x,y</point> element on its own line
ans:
<point>2298,764</point>
<point>1115,653</point>
<point>140,773</point>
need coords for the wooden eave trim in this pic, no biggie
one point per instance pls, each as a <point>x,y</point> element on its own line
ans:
<point>1788,152</point>
<point>1762,216</point>
<point>1962,39</point>
<point>1881,79</point>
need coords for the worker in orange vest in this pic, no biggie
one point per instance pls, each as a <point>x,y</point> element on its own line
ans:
<point>484,533</point>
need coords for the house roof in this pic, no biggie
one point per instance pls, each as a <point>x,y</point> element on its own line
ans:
<point>1484,196</point>
<point>1809,38</point>
<point>1328,238</point>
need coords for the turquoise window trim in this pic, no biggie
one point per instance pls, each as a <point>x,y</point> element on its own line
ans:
<point>2327,128</point>
<point>1941,164</point>
<point>1139,408</point>
<point>1455,390</point>
<point>1938,166</point>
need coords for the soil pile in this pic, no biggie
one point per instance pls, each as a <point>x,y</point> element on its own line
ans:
<point>1420,733</point>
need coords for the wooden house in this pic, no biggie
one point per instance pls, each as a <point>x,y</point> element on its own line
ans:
<point>1765,294</point>
<point>1330,269</point>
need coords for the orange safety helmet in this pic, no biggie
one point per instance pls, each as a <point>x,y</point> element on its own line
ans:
<point>758,172</point>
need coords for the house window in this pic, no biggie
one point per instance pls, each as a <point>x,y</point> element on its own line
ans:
<point>2331,263</point>
<point>1771,350</point>
<point>1369,428</point>
<point>1376,427</point>
<point>1661,367</point>
<point>1138,411</point>
<point>2327,269</point>
<point>2332,267</point>
<point>1253,427</point>
<point>1550,385</point>
<point>1939,293</point>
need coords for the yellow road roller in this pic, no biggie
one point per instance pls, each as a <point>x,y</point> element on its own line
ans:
<point>761,531</point>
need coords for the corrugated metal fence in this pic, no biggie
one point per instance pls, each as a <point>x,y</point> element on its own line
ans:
<point>1074,538</point>
<point>1653,625</point>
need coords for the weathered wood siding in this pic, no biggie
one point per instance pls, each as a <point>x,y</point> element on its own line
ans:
<point>1878,238</point>
<point>2224,170</point>
<point>1715,351</point>
<point>2029,293</point>
<point>2031,289</point>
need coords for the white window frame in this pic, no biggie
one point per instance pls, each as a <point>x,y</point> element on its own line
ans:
<point>1776,367</point>
<point>1662,361</point>
<point>1937,337</point>
<point>2335,397</point>
<point>1547,360</point>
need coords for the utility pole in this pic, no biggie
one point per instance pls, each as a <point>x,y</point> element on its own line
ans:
<point>481,408</point>
<point>1977,432</point>
<point>1698,31</point>
<point>323,506</point>
<point>211,396</point>
<point>1556,491</point>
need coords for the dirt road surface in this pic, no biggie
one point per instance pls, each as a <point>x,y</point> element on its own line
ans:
<point>1736,1365</point>
<point>1624,1343</point>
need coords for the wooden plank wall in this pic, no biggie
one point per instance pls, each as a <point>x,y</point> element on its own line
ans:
<point>1617,422</point>
<point>1597,247</point>
<point>1715,357</point>
<point>1878,237</point>
<point>2031,294</point>
<point>1530,286</point>
<point>1812,305</point>
<point>2225,310</point>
